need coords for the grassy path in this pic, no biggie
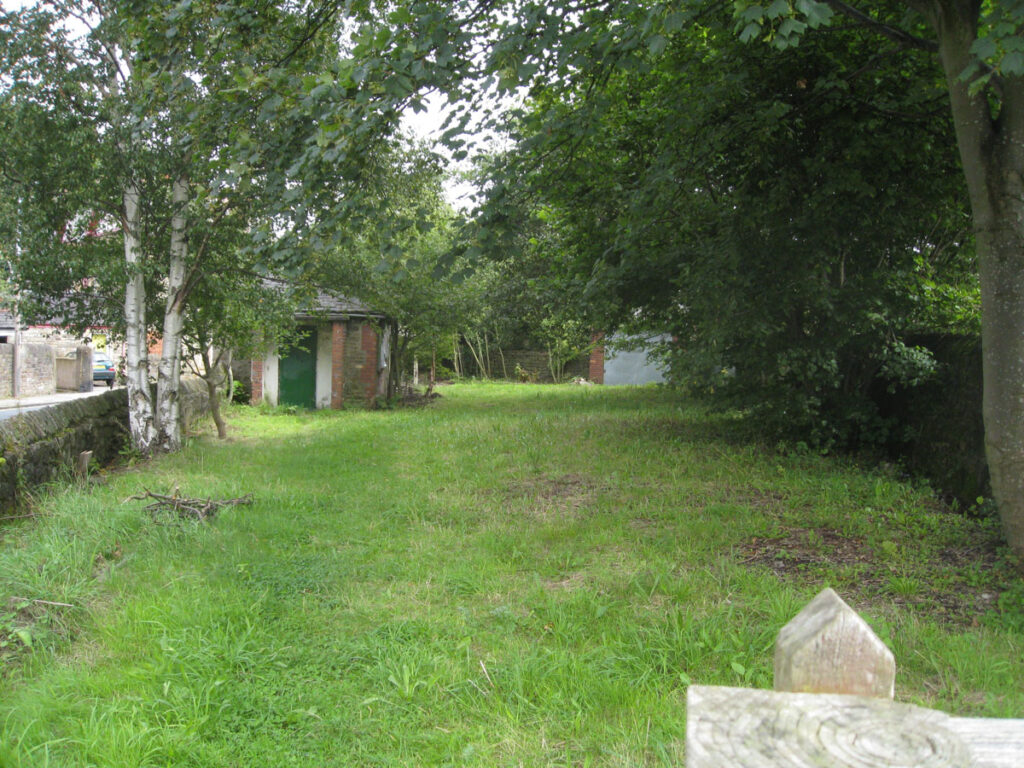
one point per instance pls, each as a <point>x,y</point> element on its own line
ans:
<point>516,575</point>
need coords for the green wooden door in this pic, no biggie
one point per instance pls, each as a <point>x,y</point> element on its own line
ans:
<point>297,371</point>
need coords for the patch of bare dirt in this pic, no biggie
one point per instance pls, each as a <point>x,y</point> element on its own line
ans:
<point>957,585</point>
<point>797,549</point>
<point>412,398</point>
<point>572,581</point>
<point>759,499</point>
<point>563,496</point>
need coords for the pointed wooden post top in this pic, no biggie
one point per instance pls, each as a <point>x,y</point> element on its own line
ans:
<point>828,648</point>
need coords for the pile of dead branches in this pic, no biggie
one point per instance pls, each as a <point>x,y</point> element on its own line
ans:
<point>185,508</point>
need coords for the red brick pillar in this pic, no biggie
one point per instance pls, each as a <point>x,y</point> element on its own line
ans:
<point>596,369</point>
<point>337,363</point>
<point>256,370</point>
<point>368,374</point>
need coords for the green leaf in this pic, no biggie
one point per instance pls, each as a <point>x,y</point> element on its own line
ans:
<point>674,21</point>
<point>984,48</point>
<point>24,635</point>
<point>753,13</point>
<point>817,14</point>
<point>657,44</point>
<point>1012,63</point>
<point>750,32</point>
<point>777,9</point>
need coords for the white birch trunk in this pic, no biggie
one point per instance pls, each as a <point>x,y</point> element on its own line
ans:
<point>140,397</point>
<point>384,361</point>
<point>169,372</point>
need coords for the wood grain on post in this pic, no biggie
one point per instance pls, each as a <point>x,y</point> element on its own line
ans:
<point>828,648</point>
<point>82,465</point>
<point>742,728</point>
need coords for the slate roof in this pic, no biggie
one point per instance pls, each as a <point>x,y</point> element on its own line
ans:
<point>328,305</point>
<point>6,320</point>
<point>334,306</point>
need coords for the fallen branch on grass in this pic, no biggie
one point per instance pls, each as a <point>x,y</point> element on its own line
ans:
<point>44,602</point>
<point>186,508</point>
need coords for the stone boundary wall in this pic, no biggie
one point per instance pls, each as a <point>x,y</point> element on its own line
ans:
<point>193,401</point>
<point>38,370</point>
<point>38,446</point>
<point>74,370</point>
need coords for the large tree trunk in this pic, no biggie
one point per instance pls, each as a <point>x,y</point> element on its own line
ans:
<point>992,152</point>
<point>169,374</point>
<point>140,397</point>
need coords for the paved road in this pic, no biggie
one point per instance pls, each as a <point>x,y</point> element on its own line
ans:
<point>11,407</point>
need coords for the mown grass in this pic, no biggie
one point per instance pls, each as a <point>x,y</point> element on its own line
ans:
<point>516,575</point>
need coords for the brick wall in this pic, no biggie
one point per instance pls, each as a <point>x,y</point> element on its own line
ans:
<point>257,381</point>
<point>534,364</point>
<point>596,362</point>
<point>359,366</point>
<point>368,373</point>
<point>38,370</point>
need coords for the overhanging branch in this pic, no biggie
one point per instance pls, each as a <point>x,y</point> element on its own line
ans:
<point>896,34</point>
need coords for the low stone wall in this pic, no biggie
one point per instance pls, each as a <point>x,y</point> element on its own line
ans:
<point>38,370</point>
<point>193,401</point>
<point>38,446</point>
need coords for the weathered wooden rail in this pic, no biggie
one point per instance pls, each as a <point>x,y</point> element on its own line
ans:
<point>832,707</point>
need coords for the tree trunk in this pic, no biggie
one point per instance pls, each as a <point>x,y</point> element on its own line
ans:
<point>384,361</point>
<point>400,347</point>
<point>229,375</point>
<point>169,374</point>
<point>213,377</point>
<point>992,153</point>
<point>433,370</point>
<point>140,396</point>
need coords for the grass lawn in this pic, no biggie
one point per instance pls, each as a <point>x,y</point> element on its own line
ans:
<point>515,575</point>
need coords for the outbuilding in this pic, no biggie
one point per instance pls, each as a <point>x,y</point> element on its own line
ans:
<point>337,359</point>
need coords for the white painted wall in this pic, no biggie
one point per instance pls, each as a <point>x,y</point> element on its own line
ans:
<point>270,380</point>
<point>632,367</point>
<point>323,366</point>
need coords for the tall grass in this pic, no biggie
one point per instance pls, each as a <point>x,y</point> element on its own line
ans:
<point>516,575</point>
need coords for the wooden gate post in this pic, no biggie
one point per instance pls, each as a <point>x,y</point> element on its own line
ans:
<point>828,648</point>
<point>832,707</point>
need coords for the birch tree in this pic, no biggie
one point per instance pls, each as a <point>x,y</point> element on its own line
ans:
<point>145,93</point>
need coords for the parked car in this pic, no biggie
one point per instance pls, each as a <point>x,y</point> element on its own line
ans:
<point>102,368</point>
